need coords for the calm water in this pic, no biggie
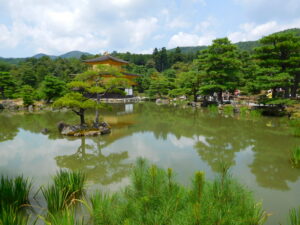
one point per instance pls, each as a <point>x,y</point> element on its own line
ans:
<point>184,139</point>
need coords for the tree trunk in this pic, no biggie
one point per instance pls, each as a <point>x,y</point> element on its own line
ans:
<point>220,98</point>
<point>286,92</point>
<point>195,95</point>
<point>274,93</point>
<point>295,86</point>
<point>97,113</point>
<point>81,114</point>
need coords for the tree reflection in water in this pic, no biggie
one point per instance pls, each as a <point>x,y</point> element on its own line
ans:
<point>98,167</point>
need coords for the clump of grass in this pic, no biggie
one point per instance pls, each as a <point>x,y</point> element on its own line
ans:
<point>64,217</point>
<point>295,156</point>
<point>14,191</point>
<point>155,198</point>
<point>228,110</point>
<point>213,109</point>
<point>67,187</point>
<point>10,215</point>
<point>294,217</point>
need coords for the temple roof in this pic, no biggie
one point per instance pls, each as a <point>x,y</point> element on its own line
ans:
<point>105,58</point>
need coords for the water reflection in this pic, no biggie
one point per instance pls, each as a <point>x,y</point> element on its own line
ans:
<point>215,139</point>
<point>99,168</point>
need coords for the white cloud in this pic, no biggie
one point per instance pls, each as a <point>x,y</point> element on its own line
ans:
<point>53,26</point>
<point>189,39</point>
<point>252,31</point>
<point>178,23</point>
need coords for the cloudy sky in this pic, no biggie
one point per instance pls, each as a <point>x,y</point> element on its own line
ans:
<point>54,27</point>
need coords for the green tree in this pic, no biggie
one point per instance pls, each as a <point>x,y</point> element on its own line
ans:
<point>279,57</point>
<point>53,87</point>
<point>221,68</point>
<point>7,85</point>
<point>189,83</point>
<point>159,85</point>
<point>27,95</point>
<point>77,103</point>
<point>99,86</point>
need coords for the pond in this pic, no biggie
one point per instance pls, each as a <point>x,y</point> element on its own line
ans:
<point>186,140</point>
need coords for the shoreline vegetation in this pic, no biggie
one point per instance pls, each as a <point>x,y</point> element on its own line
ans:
<point>153,197</point>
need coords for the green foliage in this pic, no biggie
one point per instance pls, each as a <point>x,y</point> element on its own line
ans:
<point>158,86</point>
<point>190,83</point>
<point>74,100</point>
<point>64,217</point>
<point>155,198</point>
<point>220,66</point>
<point>27,95</point>
<point>67,187</point>
<point>11,216</point>
<point>294,217</point>
<point>53,87</point>
<point>7,85</point>
<point>295,156</point>
<point>13,193</point>
<point>279,69</point>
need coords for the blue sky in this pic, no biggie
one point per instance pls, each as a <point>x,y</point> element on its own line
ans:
<point>28,27</point>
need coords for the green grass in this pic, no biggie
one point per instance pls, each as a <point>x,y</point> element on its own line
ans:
<point>9,215</point>
<point>156,198</point>
<point>14,191</point>
<point>295,156</point>
<point>67,187</point>
<point>294,217</point>
<point>64,217</point>
<point>228,110</point>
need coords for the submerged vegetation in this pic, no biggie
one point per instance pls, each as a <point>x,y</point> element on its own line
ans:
<point>295,156</point>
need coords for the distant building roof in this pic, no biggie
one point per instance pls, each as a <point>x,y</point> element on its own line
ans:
<point>105,58</point>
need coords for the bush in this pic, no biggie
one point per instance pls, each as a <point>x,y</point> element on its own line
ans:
<point>27,95</point>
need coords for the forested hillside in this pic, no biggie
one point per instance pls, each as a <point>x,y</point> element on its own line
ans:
<point>272,64</point>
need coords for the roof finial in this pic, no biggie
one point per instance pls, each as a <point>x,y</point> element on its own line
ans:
<point>105,53</point>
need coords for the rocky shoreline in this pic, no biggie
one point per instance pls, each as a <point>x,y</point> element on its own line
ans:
<point>83,130</point>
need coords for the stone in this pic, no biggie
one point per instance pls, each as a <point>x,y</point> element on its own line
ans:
<point>10,105</point>
<point>1,107</point>
<point>45,131</point>
<point>30,108</point>
<point>162,101</point>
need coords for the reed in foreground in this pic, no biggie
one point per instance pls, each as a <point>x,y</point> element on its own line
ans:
<point>155,198</point>
<point>294,217</point>
<point>14,192</point>
<point>67,187</point>
<point>11,215</point>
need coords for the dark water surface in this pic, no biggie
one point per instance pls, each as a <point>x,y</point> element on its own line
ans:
<point>185,139</point>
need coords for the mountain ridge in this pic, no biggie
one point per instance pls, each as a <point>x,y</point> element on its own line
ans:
<point>243,45</point>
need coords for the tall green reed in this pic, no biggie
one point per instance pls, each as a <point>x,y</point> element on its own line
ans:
<point>14,191</point>
<point>295,156</point>
<point>294,217</point>
<point>66,188</point>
